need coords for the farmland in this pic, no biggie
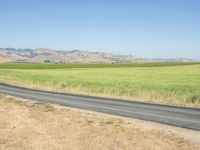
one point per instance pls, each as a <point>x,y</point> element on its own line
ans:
<point>82,65</point>
<point>166,83</point>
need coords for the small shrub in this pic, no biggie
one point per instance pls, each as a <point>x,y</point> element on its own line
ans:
<point>63,86</point>
<point>194,99</point>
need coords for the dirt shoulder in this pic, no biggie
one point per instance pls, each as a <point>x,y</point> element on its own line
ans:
<point>32,125</point>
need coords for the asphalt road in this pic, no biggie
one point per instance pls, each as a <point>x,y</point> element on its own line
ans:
<point>176,116</point>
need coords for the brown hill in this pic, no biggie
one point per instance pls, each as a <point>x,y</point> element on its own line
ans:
<point>2,59</point>
<point>50,55</point>
<point>74,56</point>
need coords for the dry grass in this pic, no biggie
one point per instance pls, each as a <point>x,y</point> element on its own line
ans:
<point>37,126</point>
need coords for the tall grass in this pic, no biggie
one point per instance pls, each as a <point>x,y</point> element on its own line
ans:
<point>178,85</point>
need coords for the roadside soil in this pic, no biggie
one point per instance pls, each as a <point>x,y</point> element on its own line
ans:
<point>32,125</point>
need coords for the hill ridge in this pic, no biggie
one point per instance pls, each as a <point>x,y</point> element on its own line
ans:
<point>75,56</point>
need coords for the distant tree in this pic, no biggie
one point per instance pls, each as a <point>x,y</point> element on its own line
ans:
<point>10,49</point>
<point>47,61</point>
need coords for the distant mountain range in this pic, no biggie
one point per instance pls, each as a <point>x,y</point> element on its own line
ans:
<point>73,56</point>
<point>50,55</point>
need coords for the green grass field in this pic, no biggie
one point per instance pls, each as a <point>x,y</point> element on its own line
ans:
<point>168,83</point>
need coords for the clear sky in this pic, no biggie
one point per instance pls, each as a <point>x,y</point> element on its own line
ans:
<point>143,28</point>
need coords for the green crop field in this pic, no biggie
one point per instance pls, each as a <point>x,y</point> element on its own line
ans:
<point>60,66</point>
<point>168,83</point>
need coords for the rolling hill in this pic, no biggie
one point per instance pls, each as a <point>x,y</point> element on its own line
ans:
<point>50,55</point>
<point>74,56</point>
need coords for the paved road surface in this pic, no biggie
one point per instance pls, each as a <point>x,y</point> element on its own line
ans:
<point>176,116</point>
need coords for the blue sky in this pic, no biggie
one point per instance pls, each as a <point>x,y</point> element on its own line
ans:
<point>143,28</point>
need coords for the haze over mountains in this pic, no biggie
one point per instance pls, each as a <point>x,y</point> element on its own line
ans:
<point>73,56</point>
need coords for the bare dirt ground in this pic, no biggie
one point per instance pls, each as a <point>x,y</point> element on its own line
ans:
<point>35,126</point>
